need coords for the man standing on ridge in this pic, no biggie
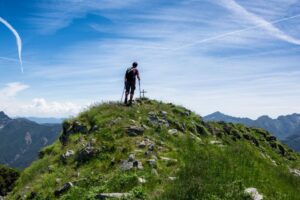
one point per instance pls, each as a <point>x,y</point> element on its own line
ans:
<point>130,80</point>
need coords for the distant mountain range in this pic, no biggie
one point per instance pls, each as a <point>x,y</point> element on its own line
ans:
<point>22,139</point>
<point>286,128</point>
<point>45,120</point>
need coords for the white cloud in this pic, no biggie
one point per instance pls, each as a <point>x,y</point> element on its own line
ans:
<point>12,89</point>
<point>14,106</point>
<point>42,107</point>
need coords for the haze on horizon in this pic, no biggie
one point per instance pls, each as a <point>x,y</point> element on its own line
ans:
<point>237,57</point>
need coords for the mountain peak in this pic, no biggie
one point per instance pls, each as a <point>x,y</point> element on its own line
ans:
<point>112,150</point>
<point>4,119</point>
<point>3,115</point>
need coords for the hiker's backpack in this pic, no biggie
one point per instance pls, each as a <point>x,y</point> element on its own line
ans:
<point>130,74</point>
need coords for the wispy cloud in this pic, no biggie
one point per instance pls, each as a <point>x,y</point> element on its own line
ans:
<point>260,22</point>
<point>58,15</point>
<point>18,39</point>
<point>12,89</point>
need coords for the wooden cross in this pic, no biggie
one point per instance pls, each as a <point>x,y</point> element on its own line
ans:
<point>143,92</point>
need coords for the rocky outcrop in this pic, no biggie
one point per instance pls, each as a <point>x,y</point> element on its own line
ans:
<point>86,153</point>
<point>131,163</point>
<point>70,128</point>
<point>135,131</point>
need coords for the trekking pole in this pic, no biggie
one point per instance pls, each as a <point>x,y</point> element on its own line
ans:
<point>140,89</point>
<point>123,94</point>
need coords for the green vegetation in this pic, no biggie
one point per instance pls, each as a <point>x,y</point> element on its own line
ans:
<point>159,151</point>
<point>8,177</point>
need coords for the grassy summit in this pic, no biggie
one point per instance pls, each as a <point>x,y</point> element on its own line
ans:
<point>154,150</point>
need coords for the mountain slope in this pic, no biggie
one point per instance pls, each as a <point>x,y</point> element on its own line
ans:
<point>7,179</point>
<point>282,127</point>
<point>21,140</point>
<point>159,151</point>
<point>286,128</point>
<point>293,142</point>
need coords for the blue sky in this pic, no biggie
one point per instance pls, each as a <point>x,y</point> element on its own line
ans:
<point>234,56</point>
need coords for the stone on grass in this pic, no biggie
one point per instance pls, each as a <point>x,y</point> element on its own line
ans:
<point>168,159</point>
<point>215,142</point>
<point>164,113</point>
<point>131,158</point>
<point>104,196</point>
<point>131,163</point>
<point>173,131</point>
<point>63,189</point>
<point>152,163</point>
<point>142,180</point>
<point>135,131</point>
<point>253,193</point>
<point>151,147</point>
<point>126,165</point>
<point>295,172</point>
<point>172,178</point>
<point>86,154</point>
<point>67,155</point>
<point>142,144</point>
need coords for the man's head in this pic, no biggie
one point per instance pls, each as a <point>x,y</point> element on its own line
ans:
<point>135,64</point>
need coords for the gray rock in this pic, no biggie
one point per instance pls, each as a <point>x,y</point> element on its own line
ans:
<point>135,131</point>
<point>173,131</point>
<point>295,172</point>
<point>86,154</point>
<point>63,189</point>
<point>151,147</point>
<point>67,155</point>
<point>142,180</point>
<point>78,127</point>
<point>152,163</point>
<point>1,198</point>
<point>215,142</point>
<point>156,121</point>
<point>58,180</point>
<point>172,178</point>
<point>126,165</point>
<point>164,113</point>
<point>131,158</point>
<point>104,196</point>
<point>142,144</point>
<point>166,159</point>
<point>253,193</point>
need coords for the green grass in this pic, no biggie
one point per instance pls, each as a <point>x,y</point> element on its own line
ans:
<point>203,170</point>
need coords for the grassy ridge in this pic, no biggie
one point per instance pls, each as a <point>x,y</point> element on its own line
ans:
<point>201,161</point>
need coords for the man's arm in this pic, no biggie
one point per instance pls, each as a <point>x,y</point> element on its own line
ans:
<point>125,79</point>
<point>138,75</point>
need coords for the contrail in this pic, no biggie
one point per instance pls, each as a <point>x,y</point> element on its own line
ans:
<point>18,39</point>
<point>239,10</point>
<point>238,31</point>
